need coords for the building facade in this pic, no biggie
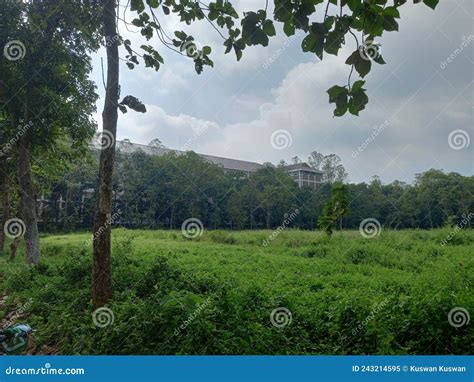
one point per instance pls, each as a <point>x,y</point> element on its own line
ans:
<point>302,174</point>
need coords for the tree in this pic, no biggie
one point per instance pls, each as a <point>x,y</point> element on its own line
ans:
<point>331,166</point>
<point>335,209</point>
<point>45,88</point>
<point>156,143</point>
<point>315,160</point>
<point>295,160</point>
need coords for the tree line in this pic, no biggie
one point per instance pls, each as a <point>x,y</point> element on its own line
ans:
<point>164,191</point>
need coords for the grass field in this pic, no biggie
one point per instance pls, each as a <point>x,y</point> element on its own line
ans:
<point>226,293</point>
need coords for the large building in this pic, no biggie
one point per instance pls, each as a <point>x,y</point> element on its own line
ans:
<point>303,174</point>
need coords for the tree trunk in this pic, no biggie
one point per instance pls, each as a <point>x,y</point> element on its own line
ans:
<point>5,191</point>
<point>101,271</point>
<point>28,200</point>
<point>14,247</point>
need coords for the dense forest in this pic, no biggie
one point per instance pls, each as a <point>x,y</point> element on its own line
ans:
<point>163,191</point>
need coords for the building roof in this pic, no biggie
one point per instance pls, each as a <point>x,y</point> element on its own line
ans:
<point>233,164</point>
<point>226,163</point>
<point>301,167</point>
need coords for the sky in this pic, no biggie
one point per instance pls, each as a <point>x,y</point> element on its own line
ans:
<point>273,104</point>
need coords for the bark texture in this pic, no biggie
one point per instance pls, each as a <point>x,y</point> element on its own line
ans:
<point>28,200</point>
<point>5,192</point>
<point>101,272</point>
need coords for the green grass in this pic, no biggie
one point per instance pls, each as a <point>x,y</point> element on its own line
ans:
<point>347,295</point>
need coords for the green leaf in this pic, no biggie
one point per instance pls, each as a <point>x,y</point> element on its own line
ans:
<point>357,101</point>
<point>339,96</point>
<point>289,28</point>
<point>153,3</point>
<point>431,3</point>
<point>357,85</point>
<point>361,65</point>
<point>133,103</point>
<point>379,60</point>
<point>137,5</point>
<point>392,12</point>
<point>390,24</point>
<point>269,28</point>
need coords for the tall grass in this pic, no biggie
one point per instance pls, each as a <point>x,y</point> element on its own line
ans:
<point>215,294</point>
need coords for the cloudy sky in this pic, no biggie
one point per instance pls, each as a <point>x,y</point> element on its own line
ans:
<point>273,104</point>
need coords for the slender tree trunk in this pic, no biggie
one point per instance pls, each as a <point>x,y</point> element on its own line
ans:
<point>28,198</point>
<point>171,217</point>
<point>101,271</point>
<point>5,195</point>
<point>14,247</point>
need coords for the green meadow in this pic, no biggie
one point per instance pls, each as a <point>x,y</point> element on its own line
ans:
<point>225,292</point>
